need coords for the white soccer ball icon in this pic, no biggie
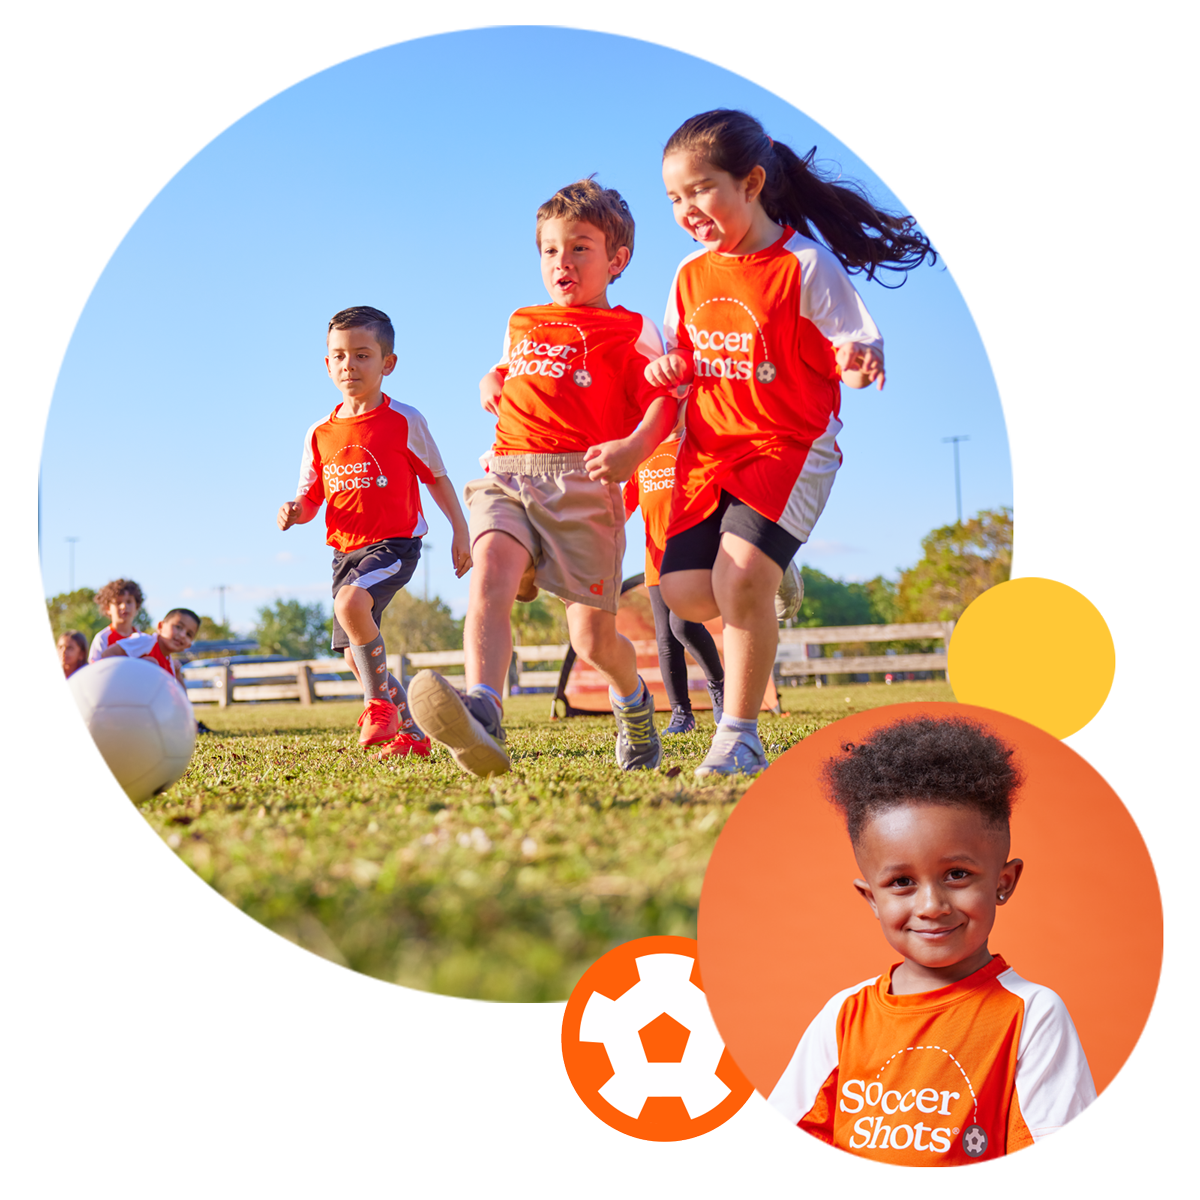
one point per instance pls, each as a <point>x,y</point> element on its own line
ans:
<point>381,481</point>
<point>663,986</point>
<point>582,379</point>
<point>765,372</point>
<point>140,719</point>
<point>974,1140</point>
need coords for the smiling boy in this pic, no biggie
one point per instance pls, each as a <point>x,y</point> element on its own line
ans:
<point>950,1056</point>
<point>363,462</point>
<point>173,635</point>
<point>575,415</point>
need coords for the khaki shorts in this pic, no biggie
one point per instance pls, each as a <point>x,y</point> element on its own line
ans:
<point>573,528</point>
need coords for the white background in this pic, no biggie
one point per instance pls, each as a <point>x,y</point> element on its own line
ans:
<point>159,1043</point>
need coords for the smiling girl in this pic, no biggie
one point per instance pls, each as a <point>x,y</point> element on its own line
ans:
<point>950,1055</point>
<point>765,325</point>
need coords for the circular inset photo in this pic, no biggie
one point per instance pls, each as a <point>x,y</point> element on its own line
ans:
<point>930,934</point>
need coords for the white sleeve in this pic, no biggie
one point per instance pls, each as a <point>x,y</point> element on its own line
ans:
<point>673,317</point>
<point>1054,1083</point>
<point>502,365</point>
<point>420,441</point>
<point>99,645</point>
<point>137,645</point>
<point>308,466</point>
<point>649,345</point>
<point>828,298</point>
<point>813,1059</point>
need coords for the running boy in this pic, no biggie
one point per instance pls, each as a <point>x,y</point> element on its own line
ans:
<point>364,459</point>
<point>568,394</point>
<point>173,634</point>
<point>120,600</point>
<point>950,1055</point>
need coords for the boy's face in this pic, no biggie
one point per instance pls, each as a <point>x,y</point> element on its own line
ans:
<point>933,874</point>
<point>356,362</point>
<point>123,609</point>
<point>576,267</point>
<point>177,632</point>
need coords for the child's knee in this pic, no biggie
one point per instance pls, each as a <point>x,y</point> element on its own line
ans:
<point>352,601</point>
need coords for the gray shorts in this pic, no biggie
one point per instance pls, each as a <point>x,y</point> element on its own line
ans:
<point>573,528</point>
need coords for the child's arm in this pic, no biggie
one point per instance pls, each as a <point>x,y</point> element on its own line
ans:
<point>297,512</point>
<point>490,387</point>
<point>616,461</point>
<point>671,369</point>
<point>446,498</point>
<point>861,365</point>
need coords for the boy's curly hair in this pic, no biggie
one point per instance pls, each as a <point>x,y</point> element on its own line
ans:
<point>928,760</point>
<point>114,590</point>
<point>586,200</point>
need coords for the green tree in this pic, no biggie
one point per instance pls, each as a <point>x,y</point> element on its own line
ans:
<point>541,622</point>
<point>959,563</point>
<point>77,610</point>
<point>412,624</point>
<point>829,601</point>
<point>292,628</point>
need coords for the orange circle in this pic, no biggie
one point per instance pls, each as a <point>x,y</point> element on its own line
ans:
<point>781,928</point>
<point>661,1118</point>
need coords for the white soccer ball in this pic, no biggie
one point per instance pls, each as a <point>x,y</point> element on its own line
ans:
<point>140,719</point>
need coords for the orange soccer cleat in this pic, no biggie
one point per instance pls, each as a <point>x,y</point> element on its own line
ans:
<point>404,744</point>
<point>380,722</point>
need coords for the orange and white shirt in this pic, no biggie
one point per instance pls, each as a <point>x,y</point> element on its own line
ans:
<point>762,417</point>
<point>978,1069</point>
<point>108,636</point>
<point>573,377</point>
<point>650,488</point>
<point>147,646</point>
<point>366,469</point>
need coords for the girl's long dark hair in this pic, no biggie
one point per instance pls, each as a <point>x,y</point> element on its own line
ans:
<point>863,238</point>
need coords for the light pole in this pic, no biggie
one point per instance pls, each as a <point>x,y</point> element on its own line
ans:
<point>71,542</point>
<point>221,589</point>
<point>960,437</point>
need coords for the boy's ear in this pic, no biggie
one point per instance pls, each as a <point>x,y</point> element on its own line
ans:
<point>620,260</point>
<point>863,889</point>
<point>389,364</point>
<point>1010,875</point>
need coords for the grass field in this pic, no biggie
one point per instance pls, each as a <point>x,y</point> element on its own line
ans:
<point>416,873</point>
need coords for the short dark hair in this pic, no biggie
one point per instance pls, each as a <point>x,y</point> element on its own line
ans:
<point>115,589</point>
<point>365,317</point>
<point>78,638</point>
<point>924,760</point>
<point>183,612</point>
<point>586,200</point>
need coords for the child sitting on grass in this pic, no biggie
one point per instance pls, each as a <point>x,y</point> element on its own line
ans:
<point>120,600</point>
<point>950,1055</point>
<point>70,654</point>
<point>174,634</point>
<point>568,395</point>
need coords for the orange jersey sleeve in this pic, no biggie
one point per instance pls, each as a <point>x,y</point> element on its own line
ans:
<point>975,1070</point>
<point>366,469</point>
<point>763,416</point>
<point>573,377</point>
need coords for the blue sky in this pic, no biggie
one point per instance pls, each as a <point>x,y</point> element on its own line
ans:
<point>399,180</point>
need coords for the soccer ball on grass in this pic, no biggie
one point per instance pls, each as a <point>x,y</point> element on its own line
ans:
<point>140,719</point>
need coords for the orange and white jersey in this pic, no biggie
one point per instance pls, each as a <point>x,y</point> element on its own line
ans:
<point>573,377</point>
<point>650,489</point>
<point>147,646</point>
<point>978,1069</point>
<point>108,636</point>
<point>762,419</point>
<point>366,469</point>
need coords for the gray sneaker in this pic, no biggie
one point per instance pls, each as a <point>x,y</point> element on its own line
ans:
<point>683,720</point>
<point>790,595</point>
<point>468,726</point>
<point>716,692</point>
<point>638,745</point>
<point>733,753</point>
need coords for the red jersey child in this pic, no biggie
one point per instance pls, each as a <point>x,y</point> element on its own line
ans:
<point>174,634</point>
<point>120,600</point>
<point>650,489</point>
<point>363,461</point>
<point>950,1056</point>
<point>574,415</point>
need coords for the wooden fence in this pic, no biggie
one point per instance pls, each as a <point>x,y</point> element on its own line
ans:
<point>329,679</point>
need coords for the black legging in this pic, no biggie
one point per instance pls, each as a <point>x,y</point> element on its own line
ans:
<point>674,635</point>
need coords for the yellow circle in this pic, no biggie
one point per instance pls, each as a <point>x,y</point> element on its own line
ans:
<point>1035,649</point>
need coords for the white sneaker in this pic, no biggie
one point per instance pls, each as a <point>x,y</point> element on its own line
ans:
<point>733,753</point>
<point>790,595</point>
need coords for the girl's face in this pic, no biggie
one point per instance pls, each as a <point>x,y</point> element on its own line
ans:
<point>69,655</point>
<point>716,209</point>
<point>934,874</point>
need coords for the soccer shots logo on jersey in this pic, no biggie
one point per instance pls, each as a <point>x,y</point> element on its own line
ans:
<point>350,474</point>
<point>737,350</point>
<point>551,358</point>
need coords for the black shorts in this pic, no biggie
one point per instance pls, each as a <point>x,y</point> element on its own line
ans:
<point>381,569</point>
<point>695,549</point>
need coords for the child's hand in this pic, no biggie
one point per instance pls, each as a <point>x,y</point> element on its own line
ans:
<point>490,387</point>
<point>861,365</point>
<point>611,462</point>
<point>460,552</point>
<point>670,370</point>
<point>289,514</point>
